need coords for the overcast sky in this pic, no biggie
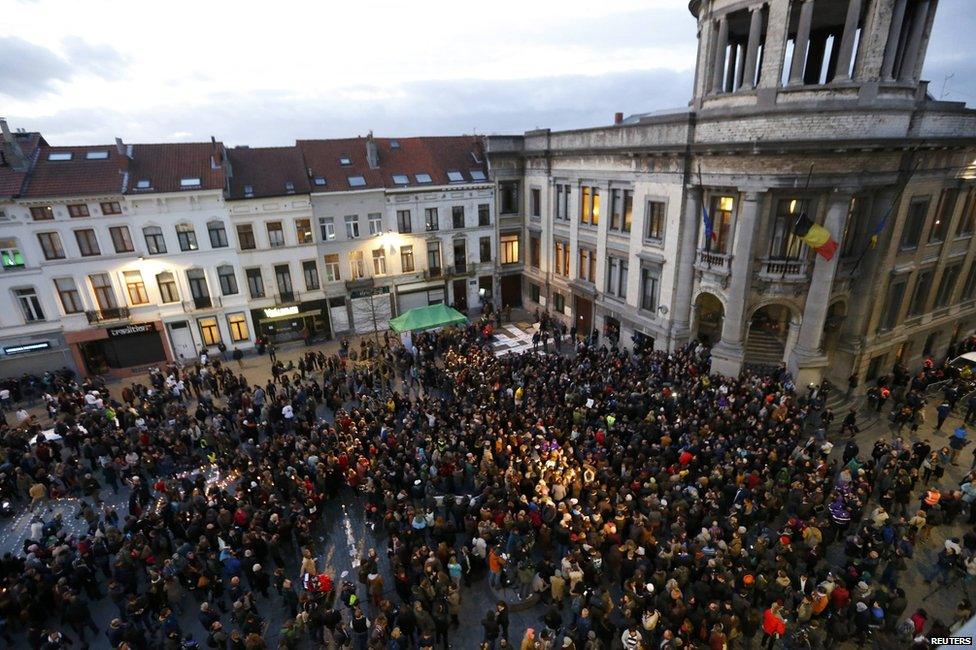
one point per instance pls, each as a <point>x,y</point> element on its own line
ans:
<point>267,73</point>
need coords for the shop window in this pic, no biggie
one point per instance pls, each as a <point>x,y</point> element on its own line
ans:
<point>209,331</point>
<point>237,324</point>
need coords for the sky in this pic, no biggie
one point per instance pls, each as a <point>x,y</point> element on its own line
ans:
<point>268,73</point>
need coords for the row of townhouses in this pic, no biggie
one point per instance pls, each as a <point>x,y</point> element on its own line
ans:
<point>119,256</point>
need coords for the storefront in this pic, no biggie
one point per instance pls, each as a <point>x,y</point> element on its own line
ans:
<point>119,351</point>
<point>34,354</point>
<point>371,310</point>
<point>419,294</point>
<point>293,323</point>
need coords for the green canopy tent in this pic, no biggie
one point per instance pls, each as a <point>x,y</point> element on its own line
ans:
<point>425,318</point>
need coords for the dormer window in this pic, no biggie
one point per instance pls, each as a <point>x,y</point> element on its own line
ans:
<point>357,181</point>
<point>248,191</point>
<point>345,161</point>
<point>394,144</point>
<point>143,184</point>
<point>455,177</point>
<point>476,157</point>
<point>423,178</point>
<point>59,155</point>
<point>96,155</point>
<point>477,175</point>
<point>190,182</point>
<point>290,187</point>
<point>401,179</point>
<point>318,180</point>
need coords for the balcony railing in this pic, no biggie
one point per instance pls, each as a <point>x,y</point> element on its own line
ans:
<point>711,260</point>
<point>433,273</point>
<point>460,269</point>
<point>783,270</point>
<point>287,298</point>
<point>102,315</point>
<point>201,302</point>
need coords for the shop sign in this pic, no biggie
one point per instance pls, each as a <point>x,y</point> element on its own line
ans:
<point>134,328</point>
<point>277,312</point>
<point>27,347</point>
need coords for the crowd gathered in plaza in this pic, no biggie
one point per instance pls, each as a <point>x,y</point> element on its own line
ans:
<point>626,499</point>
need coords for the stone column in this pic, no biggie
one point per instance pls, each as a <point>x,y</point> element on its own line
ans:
<point>721,43</point>
<point>914,44</point>
<point>752,48</point>
<point>727,355</point>
<point>891,46</point>
<point>740,66</point>
<point>847,41</point>
<point>684,268</point>
<point>807,359</point>
<point>802,42</point>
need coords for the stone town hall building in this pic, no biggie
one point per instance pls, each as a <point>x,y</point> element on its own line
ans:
<point>809,106</point>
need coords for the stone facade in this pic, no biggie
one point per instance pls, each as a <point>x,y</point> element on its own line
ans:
<point>809,106</point>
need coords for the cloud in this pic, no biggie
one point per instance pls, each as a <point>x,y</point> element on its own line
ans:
<point>265,118</point>
<point>102,60</point>
<point>28,70</point>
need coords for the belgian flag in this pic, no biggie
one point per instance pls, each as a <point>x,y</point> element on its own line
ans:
<point>815,236</point>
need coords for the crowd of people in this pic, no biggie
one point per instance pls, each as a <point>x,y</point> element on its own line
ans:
<point>628,499</point>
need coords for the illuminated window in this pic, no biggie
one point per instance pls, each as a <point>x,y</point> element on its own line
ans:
<point>721,214</point>
<point>590,205</point>
<point>237,324</point>
<point>332,268</point>
<point>509,249</point>
<point>101,286</point>
<point>784,245</point>
<point>379,262</point>
<point>136,288</point>
<point>303,230</point>
<point>10,255</point>
<point>209,331</point>
<point>356,265</point>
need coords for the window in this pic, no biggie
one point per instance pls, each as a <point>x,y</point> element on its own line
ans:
<point>345,161</point>
<point>920,295</point>
<point>352,227</point>
<point>245,237</point>
<point>310,271</point>
<point>51,245</point>
<point>509,197</point>
<point>943,215</point>
<point>228,280</point>
<point>617,277</point>
<point>559,302</point>
<point>455,177</point>
<point>484,214</point>
<point>43,213</point>
<point>30,306</point>
<point>189,182</point>
<point>616,209</point>
<point>422,178</point>
<point>248,191</point>
<point>121,239</point>
<point>10,255</point>
<point>654,220</point>
<point>332,268</point>
<point>535,252</point>
<point>893,300</point>
<point>947,286</point>
<point>111,207</point>
<point>199,290</point>
<point>135,287</point>
<point>401,179</point>
<point>87,243</point>
<point>356,265</point>
<point>289,187</point>
<point>155,244</point>
<point>394,144</point>
<point>457,216</point>
<point>535,202</point>
<point>460,255</point>
<point>303,231</point>
<point>318,181</point>
<point>784,245</point>
<point>102,288</point>
<point>379,262</point>
<point>431,222</point>
<point>60,155</point>
<point>587,265</point>
<point>561,257</point>
<point>403,221</point>
<point>209,332</point>
<point>562,201</point>
<point>406,259</point>
<point>167,287</point>
<point>967,220</point>
<point>283,280</point>
<point>96,155</point>
<point>534,293</point>
<point>721,214</point>
<point>357,181</point>
<point>650,280</point>
<point>969,289</point>
<point>68,294</point>
<point>914,222</point>
<point>628,210</point>
<point>218,235</point>
<point>78,210</point>
<point>434,258</point>
<point>255,283</point>
<point>143,184</point>
<point>327,228</point>
<point>276,234</point>
<point>187,237</point>
<point>484,249</point>
<point>477,175</point>
<point>237,324</point>
<point>375,220</point>
<point>590,205</point>
<point>509,245</point>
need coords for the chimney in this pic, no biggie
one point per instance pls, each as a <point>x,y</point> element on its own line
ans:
<point>13,154</point>
<point>120,147</point>
<point>618,118</point>
<point>217,155</point>
<point>372,152</point>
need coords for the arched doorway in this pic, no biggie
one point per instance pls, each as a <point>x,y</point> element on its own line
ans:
<point>769,330</point>
<point>709,317</point>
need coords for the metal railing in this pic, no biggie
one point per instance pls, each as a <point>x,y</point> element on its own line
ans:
<point>434,272</point>
<point>287,297</point>
<point>102,315</point>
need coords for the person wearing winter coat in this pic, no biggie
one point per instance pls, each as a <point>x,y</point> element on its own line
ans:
<point>773,624</point>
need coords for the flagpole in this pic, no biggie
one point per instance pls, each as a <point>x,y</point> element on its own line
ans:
<point>884,220</point>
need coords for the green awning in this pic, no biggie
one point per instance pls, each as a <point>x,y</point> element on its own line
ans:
<point>425,318</point>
